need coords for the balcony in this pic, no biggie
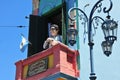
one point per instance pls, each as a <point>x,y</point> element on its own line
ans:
<point>56,63</point>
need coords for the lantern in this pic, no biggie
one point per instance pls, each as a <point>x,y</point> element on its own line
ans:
<point>107,47</point>
<point>109,28</point>
<point>72,34</point>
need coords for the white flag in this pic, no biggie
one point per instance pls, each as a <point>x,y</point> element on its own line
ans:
<point>24,43</point>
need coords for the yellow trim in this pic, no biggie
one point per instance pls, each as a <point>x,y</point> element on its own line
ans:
<point>25,69</point>
<point>50,61</point>
<point>61,78</point>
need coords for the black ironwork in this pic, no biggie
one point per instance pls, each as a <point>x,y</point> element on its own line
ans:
<point>107,26</point>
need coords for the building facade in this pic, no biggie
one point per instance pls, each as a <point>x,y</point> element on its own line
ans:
<point>56,63</point>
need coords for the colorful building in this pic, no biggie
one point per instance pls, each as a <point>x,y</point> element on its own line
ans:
<point>56,63</point>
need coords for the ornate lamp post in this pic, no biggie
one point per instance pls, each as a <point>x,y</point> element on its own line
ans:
<point>108,26</point>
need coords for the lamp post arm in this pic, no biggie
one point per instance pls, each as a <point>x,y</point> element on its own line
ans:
<point>98,17</point>
<point>108,10</point>
<point>97,20</point>
<point>95,7</point>
<point>77,9</point>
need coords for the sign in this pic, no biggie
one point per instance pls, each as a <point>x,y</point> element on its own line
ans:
<point>37,67</point>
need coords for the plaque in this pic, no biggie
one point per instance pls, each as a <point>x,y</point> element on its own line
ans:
<point>37,67</point>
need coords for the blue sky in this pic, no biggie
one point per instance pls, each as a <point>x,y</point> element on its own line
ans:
<point>12,14</point>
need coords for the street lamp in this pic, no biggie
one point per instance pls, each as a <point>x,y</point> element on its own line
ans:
<point>72,34</point>
<point>107,47</point>
<point>108,26</point>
